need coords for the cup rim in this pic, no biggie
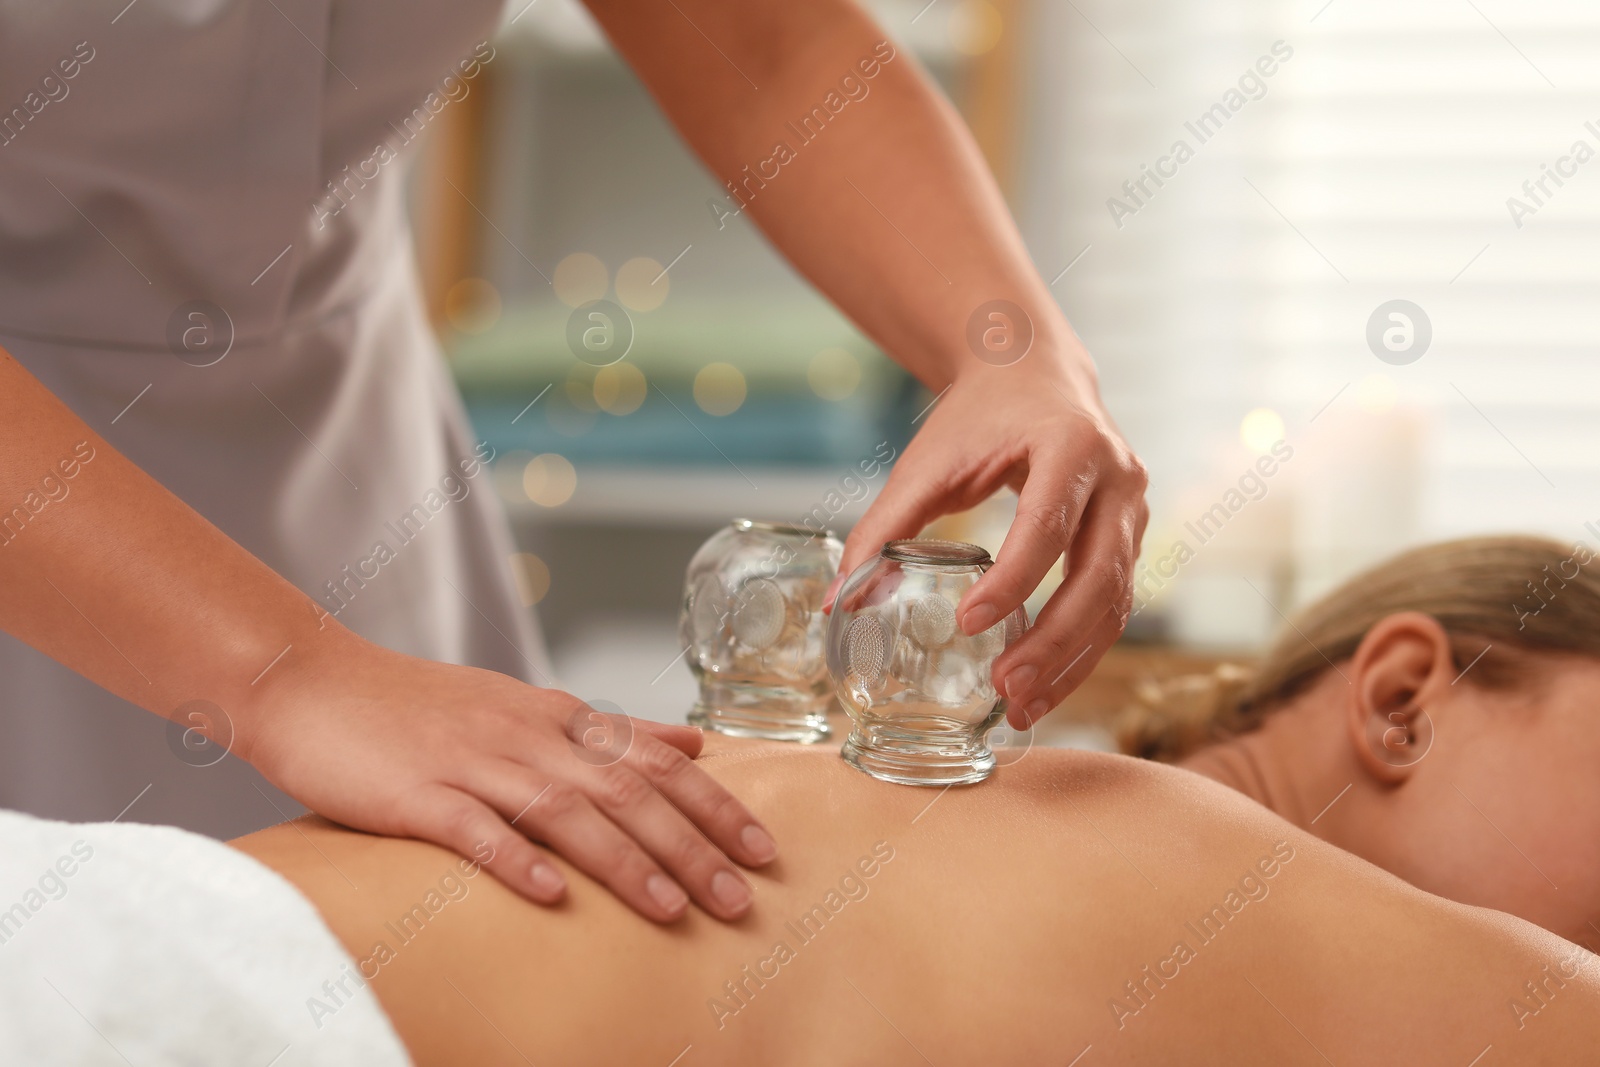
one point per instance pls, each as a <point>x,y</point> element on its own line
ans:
<point>783,529</point>
<point>936,552</point>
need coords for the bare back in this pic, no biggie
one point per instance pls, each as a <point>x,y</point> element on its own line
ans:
<point>1077,904</point>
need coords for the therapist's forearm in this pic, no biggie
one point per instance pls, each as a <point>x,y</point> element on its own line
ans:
<point>890,210</point>
<point>107,572</point>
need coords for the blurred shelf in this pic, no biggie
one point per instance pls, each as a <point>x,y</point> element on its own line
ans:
<point>525,360</point>
<point>772,342</point>
<point>668,430</point>
<point>698,497</point>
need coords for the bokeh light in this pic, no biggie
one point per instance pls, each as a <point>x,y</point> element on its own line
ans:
<point>975,27</point>
<point>620,388</point>
<point>641,284</point>
<point>579,279</point>
<point>472,305</point>
<point>834,373</point>
<point>719,389</point>
<point>1261,429</point>
<point>532,575</point>
<point>549,480</point>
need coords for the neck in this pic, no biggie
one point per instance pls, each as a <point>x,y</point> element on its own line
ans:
<point>1286,765</point>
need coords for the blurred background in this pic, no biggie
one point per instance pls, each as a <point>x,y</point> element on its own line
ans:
<point>1289,230</point>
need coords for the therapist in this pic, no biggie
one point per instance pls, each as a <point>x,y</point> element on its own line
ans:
<point>167,506</point>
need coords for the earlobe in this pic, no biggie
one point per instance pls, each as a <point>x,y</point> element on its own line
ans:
<point>1401,666</point>
<point>1395,741</point>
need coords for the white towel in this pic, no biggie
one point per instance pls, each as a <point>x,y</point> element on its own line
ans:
<point>127,944</point>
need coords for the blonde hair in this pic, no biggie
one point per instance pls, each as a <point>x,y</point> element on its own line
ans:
<point>1518,594</point>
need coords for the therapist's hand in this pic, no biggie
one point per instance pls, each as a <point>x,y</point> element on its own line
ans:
<point>1036,426</point>
<point>895,217</point>
<point>464,757</point>
<point>125,584</point>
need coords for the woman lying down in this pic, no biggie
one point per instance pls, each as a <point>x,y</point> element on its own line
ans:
<point>1079,908</point>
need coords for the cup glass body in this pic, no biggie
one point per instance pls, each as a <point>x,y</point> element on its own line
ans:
<point>917,689</point>
<point>753,626</point>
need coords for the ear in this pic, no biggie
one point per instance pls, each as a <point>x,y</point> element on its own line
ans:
<point>1402,666</point>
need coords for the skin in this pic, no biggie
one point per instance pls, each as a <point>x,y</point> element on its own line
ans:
<point>1482,795</point>
<point>1007,919</point>
<point>175,612</point>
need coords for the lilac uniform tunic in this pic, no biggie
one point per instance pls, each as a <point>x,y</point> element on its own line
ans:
<point>165,198</point>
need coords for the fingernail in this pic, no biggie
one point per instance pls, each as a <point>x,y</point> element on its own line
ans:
<point>1037,710</point>
<point>979,617</point>
<point>730,891</point>
<point>758,844</point>
<point>547,881</point>
<point>665,892</point>
<point>1018,680</point>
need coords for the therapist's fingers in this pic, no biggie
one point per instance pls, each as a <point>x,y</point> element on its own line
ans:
<point>1053,689</point>
<point>1050,510</point>
<point>562,815</point>
<point>709,805</point>
<point>661,755</point>
<point>690,740</point>
<point>1034,669</point>
<point>472,829</point>
<point>633,802</point>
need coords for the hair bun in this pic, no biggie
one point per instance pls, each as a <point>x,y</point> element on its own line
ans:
<point>1169,718</point>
